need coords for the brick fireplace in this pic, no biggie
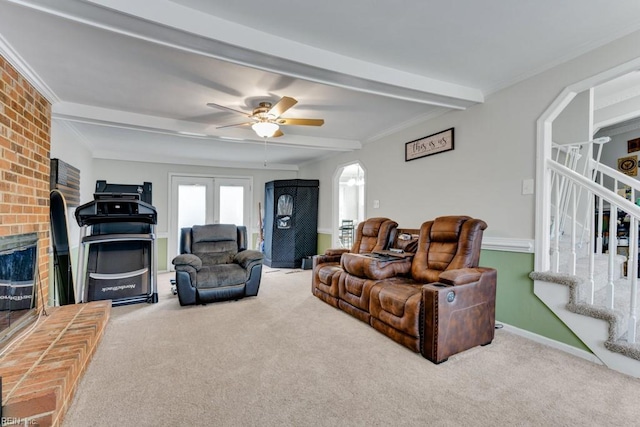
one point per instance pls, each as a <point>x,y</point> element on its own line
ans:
<point>40,372</point>
<point>25,134</point>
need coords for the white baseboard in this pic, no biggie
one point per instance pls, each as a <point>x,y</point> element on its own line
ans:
<point>552,343</point>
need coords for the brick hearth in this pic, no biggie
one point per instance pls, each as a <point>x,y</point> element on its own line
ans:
<point>40,374</point>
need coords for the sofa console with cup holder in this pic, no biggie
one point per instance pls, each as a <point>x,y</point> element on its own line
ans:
<point>436,301</point>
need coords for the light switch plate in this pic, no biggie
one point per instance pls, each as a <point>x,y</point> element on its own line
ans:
<point>527,186</point>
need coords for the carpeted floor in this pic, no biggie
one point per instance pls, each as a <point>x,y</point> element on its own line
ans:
<point>287,358</point>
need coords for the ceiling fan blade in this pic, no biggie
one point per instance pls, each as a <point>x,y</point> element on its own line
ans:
<point>235,125</point>
<point>281,106</point>
<point>277,134</point>
<point>212,105</point>
<point>300,122</point>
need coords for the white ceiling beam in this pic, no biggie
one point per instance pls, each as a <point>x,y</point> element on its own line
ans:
<point>627,109</point>
<point>155,157</point>
<point>173,25</point>
<point>72,112</point>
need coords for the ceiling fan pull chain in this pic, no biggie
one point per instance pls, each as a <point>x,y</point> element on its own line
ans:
<point>265,151</point>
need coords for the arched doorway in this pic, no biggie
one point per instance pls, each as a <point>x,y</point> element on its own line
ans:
<point>349,188</point>
<point>545,135</point>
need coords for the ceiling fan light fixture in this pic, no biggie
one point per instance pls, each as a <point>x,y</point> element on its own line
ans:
<point>265,129</point>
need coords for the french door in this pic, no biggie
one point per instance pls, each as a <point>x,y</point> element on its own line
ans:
<point>198,200</point>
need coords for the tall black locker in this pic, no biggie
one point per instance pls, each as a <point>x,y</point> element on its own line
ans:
<point>290,221</point>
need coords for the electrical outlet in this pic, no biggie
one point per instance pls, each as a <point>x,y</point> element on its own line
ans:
<point>376,204</point>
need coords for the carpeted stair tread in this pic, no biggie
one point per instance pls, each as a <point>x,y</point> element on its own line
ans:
<point>616,317</point>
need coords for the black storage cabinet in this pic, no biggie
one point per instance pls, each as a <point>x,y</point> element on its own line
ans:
<point>290,221</point>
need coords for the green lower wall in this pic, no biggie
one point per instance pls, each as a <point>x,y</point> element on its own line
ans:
<point>516,304</point>
<point>324,242</point>
<point>161,250</point>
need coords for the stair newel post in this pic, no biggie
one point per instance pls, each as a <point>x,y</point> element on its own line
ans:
<point>574,211</point>
<point>633,271</point>
<point>555,259</point>
<point>613,251</point>
<point>592,243</point>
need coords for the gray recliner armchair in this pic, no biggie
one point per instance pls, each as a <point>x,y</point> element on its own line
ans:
<point>215,265</point>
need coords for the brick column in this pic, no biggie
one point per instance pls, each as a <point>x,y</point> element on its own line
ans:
<point>25,138</point>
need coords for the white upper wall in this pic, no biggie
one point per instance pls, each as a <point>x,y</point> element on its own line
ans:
<point>495,148</point>
<point>123,172</point>
<point>574,124</point>
<point>68,146</point>
<point>618,148</point>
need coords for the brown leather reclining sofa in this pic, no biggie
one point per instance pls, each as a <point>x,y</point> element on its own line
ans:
<point>436,301</point>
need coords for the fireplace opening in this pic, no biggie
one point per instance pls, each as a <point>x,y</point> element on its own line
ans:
<point>18,279</point>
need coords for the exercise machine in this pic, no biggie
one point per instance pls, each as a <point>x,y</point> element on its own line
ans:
<point>117,257</point>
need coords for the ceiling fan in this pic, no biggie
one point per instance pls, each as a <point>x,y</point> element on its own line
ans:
<point>265,119</point>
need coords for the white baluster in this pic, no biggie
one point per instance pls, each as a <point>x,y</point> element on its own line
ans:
<point>633,271</point>
<point>592,243</point>
<point>600,212</point>
<point>613,251</point>
<point>555,251</point>
<point>574,210</point>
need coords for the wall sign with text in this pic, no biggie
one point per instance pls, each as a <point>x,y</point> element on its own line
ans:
<point>432,144</point>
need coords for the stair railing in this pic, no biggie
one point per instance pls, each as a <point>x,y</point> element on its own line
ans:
<point>594,188</point>
<point>569,155</point>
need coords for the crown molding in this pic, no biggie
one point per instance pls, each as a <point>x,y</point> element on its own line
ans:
<point>74,130</point>
<point>608,36</point>
<point>409,123</point>
<point>14,58</point>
